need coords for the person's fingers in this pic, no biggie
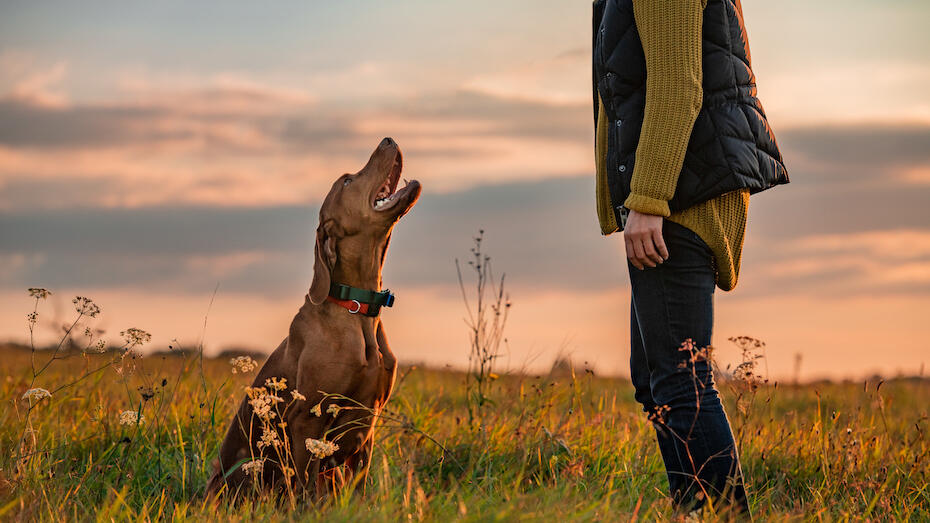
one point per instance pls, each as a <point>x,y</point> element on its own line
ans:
<point>649,248</point>
<point>660,244</point>
<point>640,251</point>
<point>631,253</point>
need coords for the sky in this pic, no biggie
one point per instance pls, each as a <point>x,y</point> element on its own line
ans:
<point>153,154</point>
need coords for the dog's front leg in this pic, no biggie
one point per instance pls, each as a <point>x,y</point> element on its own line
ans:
<point>358,464</point>
<point>304,425</point>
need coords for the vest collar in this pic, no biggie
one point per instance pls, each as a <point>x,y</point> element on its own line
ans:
<point>360,301</point>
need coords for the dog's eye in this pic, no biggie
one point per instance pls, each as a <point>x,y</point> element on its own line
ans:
<point>346,182</point>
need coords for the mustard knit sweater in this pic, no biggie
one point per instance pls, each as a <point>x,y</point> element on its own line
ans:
<point>670,31</point>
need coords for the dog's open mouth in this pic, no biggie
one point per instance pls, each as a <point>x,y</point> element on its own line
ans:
<point>388,195</point>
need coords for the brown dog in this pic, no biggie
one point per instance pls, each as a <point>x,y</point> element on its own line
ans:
<point>335,346</point>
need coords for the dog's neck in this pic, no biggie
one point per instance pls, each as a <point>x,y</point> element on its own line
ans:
<point>360,270</point>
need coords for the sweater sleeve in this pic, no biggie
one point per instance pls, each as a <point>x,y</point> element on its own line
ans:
<point>671,32</point>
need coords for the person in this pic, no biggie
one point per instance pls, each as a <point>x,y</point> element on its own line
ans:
<point>681,142</point>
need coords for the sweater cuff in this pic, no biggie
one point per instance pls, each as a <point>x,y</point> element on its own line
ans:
<point>647,205</point>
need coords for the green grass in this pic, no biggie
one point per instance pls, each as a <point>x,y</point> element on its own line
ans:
<point>550,448</point>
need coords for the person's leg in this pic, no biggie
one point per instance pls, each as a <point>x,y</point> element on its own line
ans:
<point>639,376</point>
<point>673,303</point>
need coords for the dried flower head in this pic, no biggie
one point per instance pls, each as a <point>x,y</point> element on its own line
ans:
<point>131,417</point>
<point>39,293</point>
<point>316,410</point>
<point>320,448</point>
<point>254,467</point>
<point>32,318</point>
<point>100,346</point>
<point>85,306</point>
<point>36,395</point>
<point>269,438</point>
<point>147,393</point>
<point>276,383</point>
<point>333,409</point>
<point>262,402</point>
<point>135,337</point>
<point>298,396</point>
<point>243,364</point>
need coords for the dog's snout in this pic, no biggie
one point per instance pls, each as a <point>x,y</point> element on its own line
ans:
<point>388,142</point>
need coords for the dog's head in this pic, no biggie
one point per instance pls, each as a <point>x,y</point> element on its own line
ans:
<point>359,213</point>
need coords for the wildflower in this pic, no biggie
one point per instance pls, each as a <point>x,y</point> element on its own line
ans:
<point>276,383</point>
<point>288,471</point>
<point>134,336</point>
<point>320,448</point>
<point>298,396</point>
<point>316,411</point>
<point>262,402</point>
<point>269,438</point>
<point>254,467</point>
<point>32,318</point>
<point>86,306</point>
<point>333,409</point>
<point>39,293</point>
<point>131,417</point>
<point>147,393</point>
<point>100,346</point>
<point>36,394</point>
<point>87,332</point>
<point>243,364</point>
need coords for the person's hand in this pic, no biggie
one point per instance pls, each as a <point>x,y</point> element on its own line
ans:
<point>645,246</point>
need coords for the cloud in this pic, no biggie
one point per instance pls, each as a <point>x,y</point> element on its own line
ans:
<point>254,147</point>
<point>22,79</point>
<point>858,263</point>
<point>268,250</point>
<point>562,80</point>
<point>543,234</point>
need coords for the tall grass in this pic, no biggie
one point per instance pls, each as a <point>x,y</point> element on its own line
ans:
<point>91,433</point>
<point>573,447</point>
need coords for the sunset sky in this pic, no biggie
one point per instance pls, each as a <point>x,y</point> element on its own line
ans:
<point>152,151</point>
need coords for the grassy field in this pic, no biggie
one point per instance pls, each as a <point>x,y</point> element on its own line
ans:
<point>566,447</point>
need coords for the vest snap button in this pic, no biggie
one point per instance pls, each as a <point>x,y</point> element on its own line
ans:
<point>622,168</point>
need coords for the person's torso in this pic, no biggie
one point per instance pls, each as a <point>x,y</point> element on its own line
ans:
<point>732,146</point>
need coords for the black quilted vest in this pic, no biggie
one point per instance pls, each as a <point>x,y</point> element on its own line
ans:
<point>731,147</point>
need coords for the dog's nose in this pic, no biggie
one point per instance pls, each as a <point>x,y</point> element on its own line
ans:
<point>388,142</point>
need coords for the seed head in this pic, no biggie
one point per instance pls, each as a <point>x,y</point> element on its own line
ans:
<point>131,417</point>
<point>36,395</point>
<point>242,364</point>
<point>39,293</point>
<point>321,448</point>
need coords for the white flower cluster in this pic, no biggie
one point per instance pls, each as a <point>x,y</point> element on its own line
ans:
<point>36,394</point>
<point>269,438</point>
<point>320,448</point>
<point>276,383</point>
<point>131,417</point>
<point>243,364</point>
<point>262,402</point>
<point>254,467</point>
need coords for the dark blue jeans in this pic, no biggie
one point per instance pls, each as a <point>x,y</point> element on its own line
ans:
<point>672,316</point>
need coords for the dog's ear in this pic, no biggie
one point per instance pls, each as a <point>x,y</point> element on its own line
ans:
<point>325,259</point>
